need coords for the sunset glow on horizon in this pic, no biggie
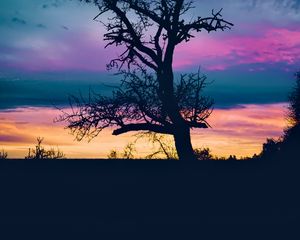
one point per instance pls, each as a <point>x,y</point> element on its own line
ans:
<point>238,131</point>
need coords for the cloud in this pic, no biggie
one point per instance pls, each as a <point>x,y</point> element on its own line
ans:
<point>12,139</point>
<point>41,26</point>
<point>54,4</point>
<point>18,21</point>
<point>65,28</point>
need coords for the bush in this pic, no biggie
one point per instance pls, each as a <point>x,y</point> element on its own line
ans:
<point>128,153</point>
<point>203,154</point>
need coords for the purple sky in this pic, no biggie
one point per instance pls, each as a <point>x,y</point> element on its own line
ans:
<point>61,36</point>
<point>56,39</point>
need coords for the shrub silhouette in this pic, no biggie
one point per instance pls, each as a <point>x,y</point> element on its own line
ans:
<point>127,153</point>
<point>3,155</point>
<point>113,154</point>
<point>41,153</point>
<point>203,154</point>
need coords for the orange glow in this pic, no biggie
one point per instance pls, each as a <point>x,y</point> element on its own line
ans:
<point>239,131</point>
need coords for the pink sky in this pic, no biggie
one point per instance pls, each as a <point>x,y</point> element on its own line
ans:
<point>272,45</point>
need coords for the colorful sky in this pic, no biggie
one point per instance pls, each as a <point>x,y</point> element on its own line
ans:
<point>52,48</point>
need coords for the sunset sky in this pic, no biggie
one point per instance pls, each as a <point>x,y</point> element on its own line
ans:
<point>50,49</point>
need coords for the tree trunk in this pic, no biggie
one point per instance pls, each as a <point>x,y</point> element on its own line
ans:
<point>182,138</point>
<point>182,135</point>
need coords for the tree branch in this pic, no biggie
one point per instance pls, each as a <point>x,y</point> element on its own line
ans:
<point>136,39</point>
<point>143,127</point>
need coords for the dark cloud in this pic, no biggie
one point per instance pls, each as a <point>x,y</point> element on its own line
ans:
<point>293,4</point>
<point>229,89</point>
<point>41,91</point>
<point>18,21</point>
<point>54,4</point>
<point>278,4</point>
<point>41,26</point>
<point>296,5</point>
<point>65,28</point>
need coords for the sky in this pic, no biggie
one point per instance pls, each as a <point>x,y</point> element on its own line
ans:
<point>50,49</point>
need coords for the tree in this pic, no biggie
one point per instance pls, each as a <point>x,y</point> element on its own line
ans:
<point>292,133</point>
<point>41,153</point>
<point>152,99</point>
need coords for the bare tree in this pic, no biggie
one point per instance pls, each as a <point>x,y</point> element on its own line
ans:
<point>149,31</point>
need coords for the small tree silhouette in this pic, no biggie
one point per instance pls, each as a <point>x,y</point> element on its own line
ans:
<point>41,153</point>
<point>3,155</point>
<point>155,101</point>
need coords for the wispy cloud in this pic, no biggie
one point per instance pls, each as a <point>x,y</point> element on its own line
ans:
<point>40,25</point>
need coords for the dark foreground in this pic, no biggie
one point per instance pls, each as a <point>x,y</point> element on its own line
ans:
<point>154,199</point>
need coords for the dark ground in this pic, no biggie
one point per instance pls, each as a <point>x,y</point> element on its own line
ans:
<point>90,199</point>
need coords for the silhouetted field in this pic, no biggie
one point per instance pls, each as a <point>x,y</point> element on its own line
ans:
<point>83,198</point>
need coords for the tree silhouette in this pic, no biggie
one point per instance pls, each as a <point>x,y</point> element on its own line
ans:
<point>294,100</point>
<point>292,134</point>
<point>287,146</point>
<point>151,99</point>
